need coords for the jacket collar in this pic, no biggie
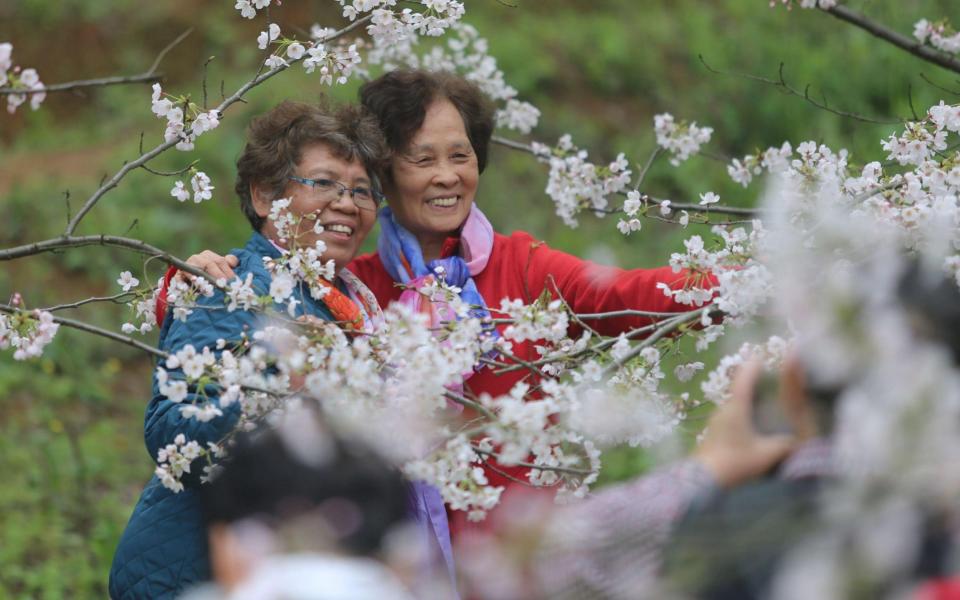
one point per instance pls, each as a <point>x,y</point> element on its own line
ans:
<point>260,245</point>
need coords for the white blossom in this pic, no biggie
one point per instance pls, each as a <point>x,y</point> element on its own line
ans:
<point>127,281</point>
<point>682,139</point>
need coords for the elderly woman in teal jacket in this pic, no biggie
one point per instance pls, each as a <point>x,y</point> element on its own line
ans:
<point>325,162</point>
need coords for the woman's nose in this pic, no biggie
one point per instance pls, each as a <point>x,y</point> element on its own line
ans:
<point>344,203</point>
<point>445,176</point>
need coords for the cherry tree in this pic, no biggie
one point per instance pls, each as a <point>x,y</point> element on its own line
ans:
<point>785,273</point>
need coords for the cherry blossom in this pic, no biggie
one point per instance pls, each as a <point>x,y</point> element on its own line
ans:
<point>27,81</point>
<point>682,139</point>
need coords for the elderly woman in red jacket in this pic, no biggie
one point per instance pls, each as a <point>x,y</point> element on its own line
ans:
<point>438,127</point>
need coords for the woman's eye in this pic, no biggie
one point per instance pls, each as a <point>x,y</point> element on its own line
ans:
<point>323,184</point>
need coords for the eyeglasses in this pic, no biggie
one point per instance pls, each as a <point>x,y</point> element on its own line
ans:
<point>329,190</point>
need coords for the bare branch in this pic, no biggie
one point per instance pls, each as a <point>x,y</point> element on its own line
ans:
<point>168,48</point>
<point>646,168</point>
<point>913,110</point>
<point>782,84</point>
<point>938,86</point>
<point>116,299</point>
<point>83,83</point>
<point>911,45</point>
<point>169,173</point>
<point>148,76</point>
<point>101,240</point>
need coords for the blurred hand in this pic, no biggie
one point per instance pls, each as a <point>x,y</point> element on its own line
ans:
<point>732,450</point>
<point>219,267</point>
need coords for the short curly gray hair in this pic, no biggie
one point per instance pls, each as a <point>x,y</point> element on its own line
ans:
<point>275,141</point>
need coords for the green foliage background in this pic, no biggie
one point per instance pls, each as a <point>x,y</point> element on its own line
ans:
<point>71,423</point>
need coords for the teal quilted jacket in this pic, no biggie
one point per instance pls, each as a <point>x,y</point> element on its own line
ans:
<point>164,547</point>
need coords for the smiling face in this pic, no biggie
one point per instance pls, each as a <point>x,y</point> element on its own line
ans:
<point>435,179</point>
<point>345,225</point>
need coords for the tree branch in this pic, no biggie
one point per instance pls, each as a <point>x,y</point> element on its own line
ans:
<point>116,299</point>
<point>911,45</point>
<point>781,83</point>
<point>466,402</point>
<point>83,83</point>
<point>148,76</point>
<point>101,240</point>
<point>662,330</point>
<point>123,339</point>
<point>725,210</point>
<point>527,465</point>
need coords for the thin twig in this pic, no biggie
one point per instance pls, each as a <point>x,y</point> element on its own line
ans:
<point>466,402</point>
<point>646,167</point>
<point>490,465</point>
<point>913,110</point>
<point>204,81</point>
<point>115,299</point>
<point>526,465</point>
<point>781,83</point>
<point>169,173</point>
<point>911,45</point>
<point>938,86</point>
<point>566,305</point>
<point>168,48</point>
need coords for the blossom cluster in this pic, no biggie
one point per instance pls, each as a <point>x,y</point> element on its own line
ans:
<point>467,54</point>
<point>26,80</point>
<point>940,34</point>
<point>248,8</point>
<point>773,160</point>
<point>435,18</point>
<point>199,183</point>
<point>297,262</point>
<point>576,184</point>
<point>27,332</point>
<point>336,61</point>
<point>174,459</point>
<point>682,140</point>
<point>185,120</point>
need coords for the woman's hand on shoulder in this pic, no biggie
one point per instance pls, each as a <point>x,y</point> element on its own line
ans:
<point>216,265</point>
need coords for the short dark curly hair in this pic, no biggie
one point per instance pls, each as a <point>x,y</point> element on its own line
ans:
<point>275,141</point>
<point>399,99</point>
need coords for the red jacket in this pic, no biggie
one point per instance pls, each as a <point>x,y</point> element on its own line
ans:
<point>521,267</point>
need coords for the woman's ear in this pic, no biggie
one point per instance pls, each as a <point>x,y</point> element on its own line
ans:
<point>262,199</point>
